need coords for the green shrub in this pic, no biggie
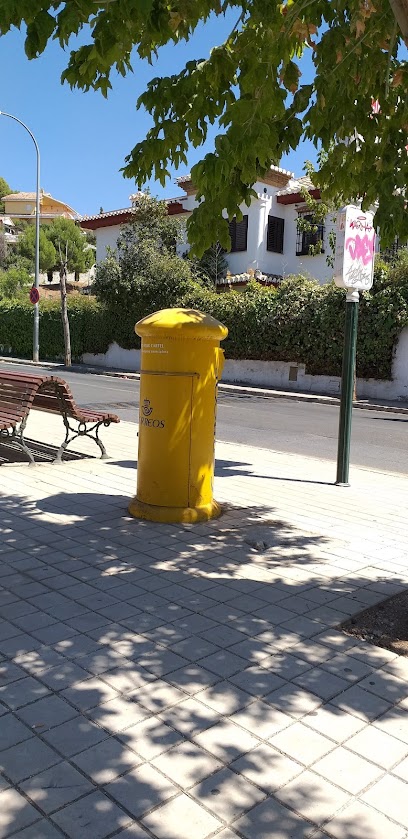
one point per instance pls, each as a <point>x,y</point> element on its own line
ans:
<point>88,320</point>
<point>13,281</point>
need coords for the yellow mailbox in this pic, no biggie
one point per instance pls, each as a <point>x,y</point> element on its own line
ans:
<point>181,363</point>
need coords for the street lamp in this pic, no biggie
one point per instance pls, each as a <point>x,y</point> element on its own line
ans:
<point>36,334</point>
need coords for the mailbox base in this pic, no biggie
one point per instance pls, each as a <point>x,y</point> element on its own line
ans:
<point>186,515</point>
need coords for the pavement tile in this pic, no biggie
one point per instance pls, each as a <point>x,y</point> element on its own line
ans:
<point>12,731</point>
<point>380,748</point>
<point>118,713</point>
<point>134,831</point>
<point>362,822</point>
<point>10,672</point>
<point>74,736</point>
<point>94,815</point>
<point>261,719</point>
<point>224,663</point>
<point>89,693</point>
<point>226,740</point>
<point>20,693</point>
<point>190,716</point>
<point>285,665</point>
<point>186,763</point>
<point>56,787</point>
<point>157,695</point>
<point>22,643</point>
<point>293,700</point>
<point>193,678</point>
<point>106,761</point>
<point>223,635</point>
<point>389,797</point>
<point>313,797</point>
<point>62,676</point>
<point>347,667</point>
<point>46,713</point>
<point>321,683</point>
<point>257,680</point>
<point>386,686</point>
<point>150,737</point>
<point>302,743</point>
<point>181,818</point>
<point>271,820</point>
<point>361,703</point>
<point>141,789</point>
<point>40,830</point>
<point>194,648</point>
<point>225,697</point>
<point>401,770</point>
<point>394,722</point>
<point>349,771</point>
<point>15,813</point>
<point>266,767</point>
<point>227,794</point>
<point>26,759</point>
<point>331,721</point>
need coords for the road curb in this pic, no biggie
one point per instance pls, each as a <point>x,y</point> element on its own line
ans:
<point>224,387</point>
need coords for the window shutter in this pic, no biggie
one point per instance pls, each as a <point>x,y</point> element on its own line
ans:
<point>239,234</point>
<point>276,227</point>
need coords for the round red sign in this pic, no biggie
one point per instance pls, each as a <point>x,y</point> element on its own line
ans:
<point>34,295</point>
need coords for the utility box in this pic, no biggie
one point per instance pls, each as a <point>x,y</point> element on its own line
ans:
<point>181,364</point>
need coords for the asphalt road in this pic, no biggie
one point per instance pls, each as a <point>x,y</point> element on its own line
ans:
<point>379,439</point>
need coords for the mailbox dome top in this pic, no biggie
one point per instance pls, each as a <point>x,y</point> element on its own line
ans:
<point>183,323</point>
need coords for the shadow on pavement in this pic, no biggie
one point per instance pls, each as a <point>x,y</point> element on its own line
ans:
<point>170,681</point>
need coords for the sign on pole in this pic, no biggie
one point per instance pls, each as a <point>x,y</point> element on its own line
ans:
<point>34,295</point>
<point>355,249</point>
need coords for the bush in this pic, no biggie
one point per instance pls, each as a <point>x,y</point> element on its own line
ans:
<point>89,328</point>
<point>13,281</point>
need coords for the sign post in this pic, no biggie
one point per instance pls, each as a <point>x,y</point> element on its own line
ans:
<point>353,267</point>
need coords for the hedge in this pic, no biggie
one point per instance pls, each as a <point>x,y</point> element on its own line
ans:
<point>89,324</point>
<point>300,322</point>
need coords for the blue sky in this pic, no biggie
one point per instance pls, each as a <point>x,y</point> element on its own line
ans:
<point>84,138</point>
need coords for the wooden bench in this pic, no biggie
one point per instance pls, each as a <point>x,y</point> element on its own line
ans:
<point>19,392</point>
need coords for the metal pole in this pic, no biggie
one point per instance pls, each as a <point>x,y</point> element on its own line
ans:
<point>347,388</point>
<point>36,332</point>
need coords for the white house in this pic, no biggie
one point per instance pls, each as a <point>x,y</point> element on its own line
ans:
<point>266,241</point>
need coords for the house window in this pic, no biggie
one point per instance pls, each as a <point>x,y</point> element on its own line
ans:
<point>276,227</point>
<point>305,238</point>
<point>238,231</point>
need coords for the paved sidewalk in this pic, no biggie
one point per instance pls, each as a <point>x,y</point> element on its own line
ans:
<point>187,682</point>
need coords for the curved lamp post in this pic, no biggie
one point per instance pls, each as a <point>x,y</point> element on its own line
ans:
<point>36,335</point>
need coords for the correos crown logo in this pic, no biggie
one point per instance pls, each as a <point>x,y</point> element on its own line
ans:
<point>147,410</point>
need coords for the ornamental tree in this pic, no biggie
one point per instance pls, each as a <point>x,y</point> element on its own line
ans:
<point>354,108</point>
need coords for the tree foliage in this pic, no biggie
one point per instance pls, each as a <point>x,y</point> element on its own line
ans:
<point>25,248</point>
<point>5,189</point>
<point>252,87</point>
<point>144,273</point>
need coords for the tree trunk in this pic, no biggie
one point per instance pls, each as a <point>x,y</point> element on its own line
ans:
<point>400,10</point>
<point>64,315</point>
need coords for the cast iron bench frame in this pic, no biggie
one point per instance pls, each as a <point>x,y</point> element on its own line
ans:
<point>19,392</point>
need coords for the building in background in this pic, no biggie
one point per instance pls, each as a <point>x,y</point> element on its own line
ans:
<point>20,206</point>
<point>265,243</point>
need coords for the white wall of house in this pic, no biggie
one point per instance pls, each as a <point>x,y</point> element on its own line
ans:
<point>106,237</point>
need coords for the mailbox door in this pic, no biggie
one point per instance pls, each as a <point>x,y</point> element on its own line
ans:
<point>165,438</point>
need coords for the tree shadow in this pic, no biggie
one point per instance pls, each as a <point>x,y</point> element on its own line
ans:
<point>148,670</point>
